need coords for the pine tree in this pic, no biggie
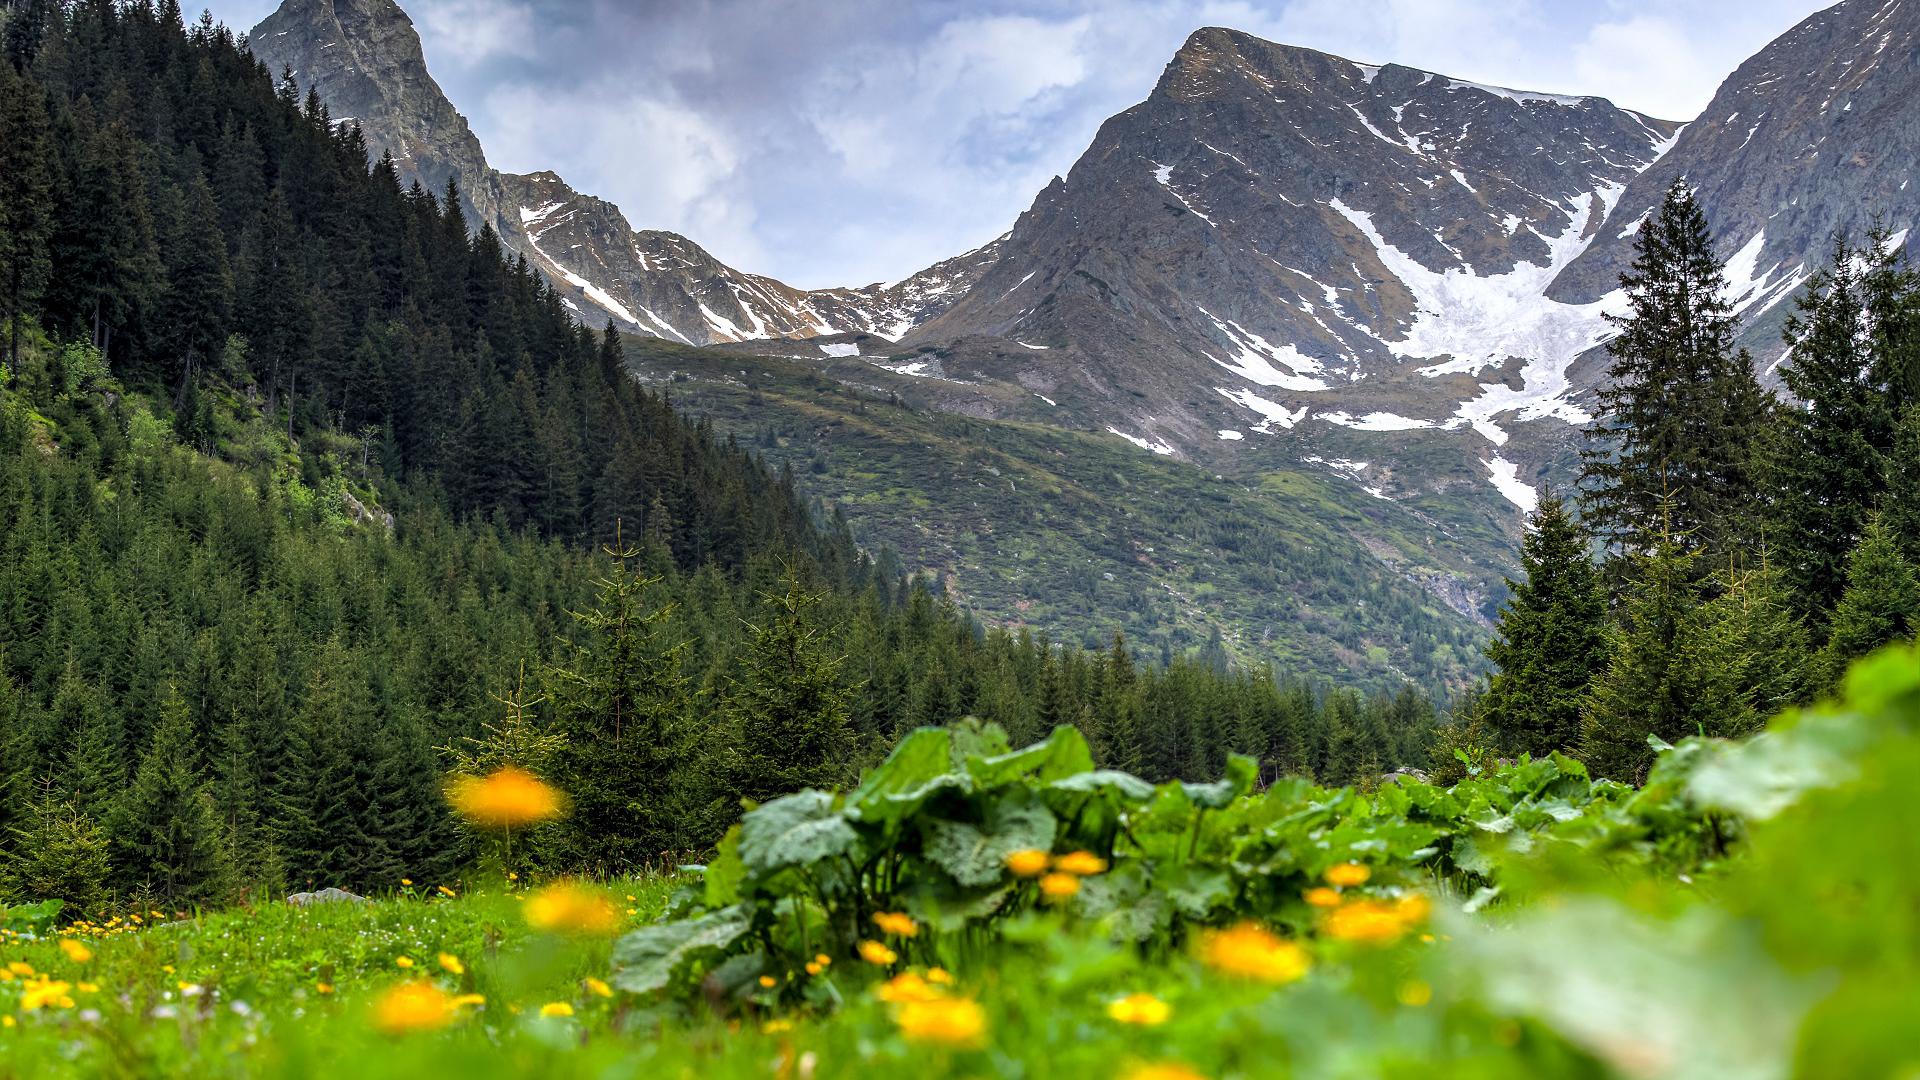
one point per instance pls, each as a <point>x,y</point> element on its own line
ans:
<point>319,800</point>
<point>1550,641</point>
<point>1670,454</point>
<point>1891,286</point>
<point>26,204</point>
<point>622,706</point>
<point>1824,452</point>
<point>1666,676</point>
<point>1881,604</point>
<point>1768,654</point>
<point>164,835</point>
<point>788,705</point>
<point>198,306</point>
<point>58,853</point>
<point>1900,506</point>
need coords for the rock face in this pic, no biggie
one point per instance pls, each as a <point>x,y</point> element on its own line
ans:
<point>1816,134</point>
<point>363,58</point>
<point>325,896</point>
<point>1282,239</point>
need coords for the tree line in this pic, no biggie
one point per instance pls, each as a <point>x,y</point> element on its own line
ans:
<point>1729,550</point>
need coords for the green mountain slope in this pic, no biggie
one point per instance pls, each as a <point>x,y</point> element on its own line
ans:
<point>1082,534</point>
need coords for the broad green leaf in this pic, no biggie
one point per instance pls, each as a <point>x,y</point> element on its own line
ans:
<point>976,856</point>
<point>794,830</point>
<point>1063,754</point>
<point>1242,772</point>
<point>1768,773</point>
<point>1117,785</point>
<point>725,871</point>
<point>920,757</point>
<point>653,956</point>
<point>1195,890</point>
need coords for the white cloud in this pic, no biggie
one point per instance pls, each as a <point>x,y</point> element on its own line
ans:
<point>1645,58</point>
<point>473,31</point>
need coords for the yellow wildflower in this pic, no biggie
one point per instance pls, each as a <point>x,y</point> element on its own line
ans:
<point>21,967</point>
<point>76,952</point>
<point>1059,886</point>
<point>769,982</point>
<point>904,987</point>
<point>1369,921</point>
<point>38,993</point>
<point>895,923</point>
<point>813,968</point>
<point>507,799</point>
<point>1322,897</point>
<point>444,891</point>
<point>875,953</point>
<point>572,908</point>
<point>412,1006</point>
<point>406,881</point>
<point>451,964</point>
<point>597,988</point>
<point>1080,864</point>
<point>956,1022</point>
<point>1030,862</point>
<point>463,1000</point>
<point>1142,1009</point>
<point>775,1027</point>
<point>1347,875</point>
<point>556,1008</point>
<point>823,959</point>
<point>7,1020</point>
<point>1413,908</point>
<point>403,961</point>
<point>87,987</point>
<point>1250,952</point>
<point>323,988</point>
<point>1165,1070</point>
<point>939,976</point>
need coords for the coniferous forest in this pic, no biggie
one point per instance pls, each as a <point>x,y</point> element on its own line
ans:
<point>308,488</point>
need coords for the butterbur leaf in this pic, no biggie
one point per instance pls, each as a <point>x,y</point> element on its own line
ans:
<point>971,737</point>
<point>1195,890</point>
<point>794,831</point>
<point>977,855</point>
<point>918,769</point>
<point>1242,771</point>
<point>651,957</point>
<point>725,872</point>
<point>1122,786</point>
<point>1063,754</point>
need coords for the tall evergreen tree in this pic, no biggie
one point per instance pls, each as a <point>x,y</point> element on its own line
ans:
<point>1670,454</point>
<point>1824,451</point>
<point>1666,675</point>
<point>622,710</point>
<point>788,705</point>
<point>26,202</point>
<point>164,835</point>
<point>1881,604</point>
<point>1550,641</point>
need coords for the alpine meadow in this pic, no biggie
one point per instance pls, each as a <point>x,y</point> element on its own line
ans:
<point>1373,574</point>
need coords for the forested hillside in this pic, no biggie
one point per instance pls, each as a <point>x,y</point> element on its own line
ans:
<point>308,499</point>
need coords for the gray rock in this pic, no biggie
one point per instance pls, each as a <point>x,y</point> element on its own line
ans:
<point>326,896</point>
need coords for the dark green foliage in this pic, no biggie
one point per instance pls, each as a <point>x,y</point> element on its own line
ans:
<point>789,704</point>
<point>1667,676</point>
<point>57,853</point>
<point>26,204</point>
<point>1881,604</point>
<point>1825,451</point>
<point>1551,638</point>
<point>624,716</point>
<point>164,835</point>
<point>1671,451</point>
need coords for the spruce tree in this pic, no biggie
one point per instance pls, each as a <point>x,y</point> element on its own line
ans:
<point>1666,675</point>
<point>622,711</point>
<point>1550,641</point>
<point>1881,604</point>
<point>1824,450</point>
<point>1670,452</point>
<point>1765,643</point>
<point>1900,506</point>
<point>788,705</point>
<point>26,204</point>
<point>1891,286</point>
<point>165,838</point>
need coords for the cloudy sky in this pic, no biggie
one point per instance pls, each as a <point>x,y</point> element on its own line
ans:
<point>838,142</point>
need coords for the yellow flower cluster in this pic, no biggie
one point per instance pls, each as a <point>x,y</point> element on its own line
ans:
<point>873,952</point>
<point>572,908</point>
<point>507,799</point>
<point>944,1021</point>
<point>1373,921</point>
<point>1248,951</point>
<point>895,923</point>
<point>1142,1010</point>
<point>1059,874</point>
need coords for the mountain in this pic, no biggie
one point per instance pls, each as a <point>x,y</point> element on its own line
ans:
<point>1280,239</point>
<point>363,58</point>
<point>1816,134</point>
